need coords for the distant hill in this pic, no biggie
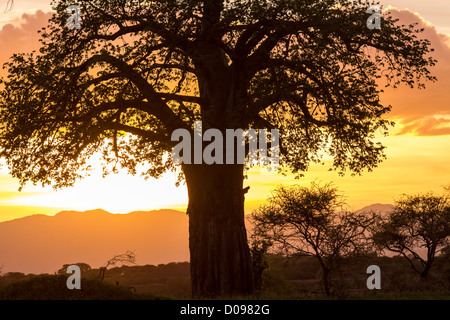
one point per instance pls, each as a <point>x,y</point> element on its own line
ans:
<point>378,207</point>
<point>42,244</point>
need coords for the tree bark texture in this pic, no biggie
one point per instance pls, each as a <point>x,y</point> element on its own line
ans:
<point>220,256</point>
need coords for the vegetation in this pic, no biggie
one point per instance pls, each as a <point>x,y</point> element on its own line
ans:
<point>125,282</point>
<point>305,245</point>
<point>300,277</point>
<point>295,277</point>
<point>417,223</point>
<point>313,221</point>
<point>124,258</point>
<point>137,71</point>
<point>258,251</point>
<point>46,287</point>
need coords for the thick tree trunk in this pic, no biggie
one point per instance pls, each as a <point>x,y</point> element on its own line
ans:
<point>220,256</point>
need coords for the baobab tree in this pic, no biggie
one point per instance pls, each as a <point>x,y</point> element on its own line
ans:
<point>135,71</point>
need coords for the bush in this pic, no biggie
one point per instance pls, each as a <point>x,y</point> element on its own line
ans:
<point>53,287</point>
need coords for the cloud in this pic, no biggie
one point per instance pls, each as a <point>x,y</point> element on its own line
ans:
<point>22,37</point>
<point>423,112</point>
<point>429,126</point>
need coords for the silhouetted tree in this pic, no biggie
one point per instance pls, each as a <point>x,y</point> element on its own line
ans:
<point>138,70</point>
<point>258,250</point>
<point>313,221</point>
<point>124,258</point>
<point>417,228</point>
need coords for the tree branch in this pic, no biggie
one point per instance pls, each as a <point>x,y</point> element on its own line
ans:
<point>156,105</point>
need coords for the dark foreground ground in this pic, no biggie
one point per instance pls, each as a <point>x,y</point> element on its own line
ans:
<point>284,279</point>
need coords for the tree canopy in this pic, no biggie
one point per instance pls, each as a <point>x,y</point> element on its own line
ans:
<point>418,228</point>
<point>313,221</point>
<point>137,70</point>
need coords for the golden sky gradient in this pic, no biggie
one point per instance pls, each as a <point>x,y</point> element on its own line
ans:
<point>418,149</point>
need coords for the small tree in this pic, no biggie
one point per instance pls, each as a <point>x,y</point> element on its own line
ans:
<point>124,258</point>
<point>417,228</point>
<point>312,221</point>
<point>258,251</point>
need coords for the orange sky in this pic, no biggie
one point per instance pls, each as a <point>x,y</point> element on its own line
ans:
<point>418,149</point>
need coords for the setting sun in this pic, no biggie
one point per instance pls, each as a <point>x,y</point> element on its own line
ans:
<point>116,193</point>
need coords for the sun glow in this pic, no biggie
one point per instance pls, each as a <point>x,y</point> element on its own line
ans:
<point>116,193</point>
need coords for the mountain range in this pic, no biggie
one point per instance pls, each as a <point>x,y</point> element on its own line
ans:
<point>43,244</point>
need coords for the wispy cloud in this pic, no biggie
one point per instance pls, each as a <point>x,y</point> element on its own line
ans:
<point>22,36</point>
<point>429,126</point>
<point>424,112</point>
